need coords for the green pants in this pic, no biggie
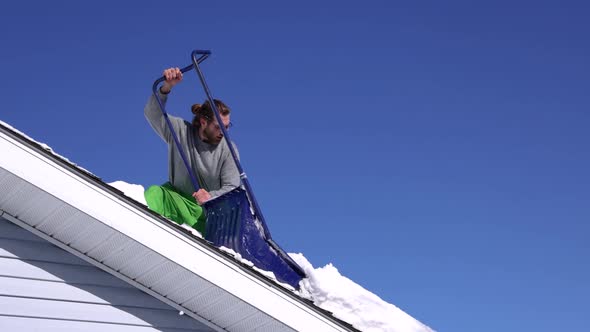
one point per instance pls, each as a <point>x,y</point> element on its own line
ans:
<point>172,204</point>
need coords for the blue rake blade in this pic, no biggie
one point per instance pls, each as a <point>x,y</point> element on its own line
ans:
<point>230,224</point>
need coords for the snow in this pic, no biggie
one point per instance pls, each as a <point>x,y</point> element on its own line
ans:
<point>325,286</point>
<point>270,275</point>
<point>350,302</point>
<point>134,191</point>
<point>328,289</point>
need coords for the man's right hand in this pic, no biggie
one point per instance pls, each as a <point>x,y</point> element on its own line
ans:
<point>202,196</point>
<point>173,77</point>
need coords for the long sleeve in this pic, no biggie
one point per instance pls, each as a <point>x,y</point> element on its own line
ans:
<point>229,175</point>
<point>156,119</point>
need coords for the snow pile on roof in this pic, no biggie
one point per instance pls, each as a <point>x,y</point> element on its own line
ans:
<point>134,191</point>
<point>331,291</point>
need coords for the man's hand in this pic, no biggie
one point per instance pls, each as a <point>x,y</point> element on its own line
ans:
<point>202,196</point>
<point>173,77</point>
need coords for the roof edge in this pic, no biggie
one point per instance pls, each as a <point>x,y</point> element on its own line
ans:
<point>94,181</point>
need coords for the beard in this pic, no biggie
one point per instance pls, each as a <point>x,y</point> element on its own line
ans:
<point>211,137</point>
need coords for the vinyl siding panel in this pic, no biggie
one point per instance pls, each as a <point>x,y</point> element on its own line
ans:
<point>35,324</point>
<point>45,288</point>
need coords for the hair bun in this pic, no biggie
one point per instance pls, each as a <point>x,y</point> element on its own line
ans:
<point>196,108</point>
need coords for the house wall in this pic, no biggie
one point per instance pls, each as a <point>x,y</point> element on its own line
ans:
<point>44,288</point>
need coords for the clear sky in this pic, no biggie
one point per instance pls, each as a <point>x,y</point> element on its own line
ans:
<point>435,152</point>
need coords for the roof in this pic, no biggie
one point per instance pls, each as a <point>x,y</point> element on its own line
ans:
<point>75,210</point>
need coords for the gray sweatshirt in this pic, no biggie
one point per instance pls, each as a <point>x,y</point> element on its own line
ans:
<point>213,165</point>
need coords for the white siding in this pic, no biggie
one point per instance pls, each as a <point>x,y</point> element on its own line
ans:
<point>45,288</point>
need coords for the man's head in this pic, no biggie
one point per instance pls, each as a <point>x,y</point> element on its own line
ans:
<point>206,123</point>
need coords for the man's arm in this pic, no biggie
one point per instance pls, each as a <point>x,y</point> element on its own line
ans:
<point>152,110</point>
<point>229,178</point>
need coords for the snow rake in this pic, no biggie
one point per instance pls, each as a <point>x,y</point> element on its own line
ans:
<point>235,220</point>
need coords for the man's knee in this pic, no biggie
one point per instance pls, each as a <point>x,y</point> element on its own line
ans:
<point>154,196</point>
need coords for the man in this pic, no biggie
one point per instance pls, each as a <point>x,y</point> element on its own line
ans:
<point>208,156</point>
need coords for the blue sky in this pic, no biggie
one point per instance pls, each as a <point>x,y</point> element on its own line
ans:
<point>436,153</point>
